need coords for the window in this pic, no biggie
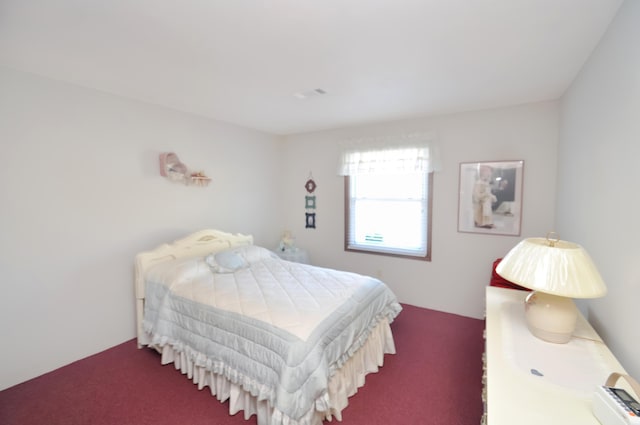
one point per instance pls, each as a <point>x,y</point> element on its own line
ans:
<point>388,197</point>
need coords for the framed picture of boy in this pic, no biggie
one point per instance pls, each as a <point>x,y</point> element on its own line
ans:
<point>490,197</point>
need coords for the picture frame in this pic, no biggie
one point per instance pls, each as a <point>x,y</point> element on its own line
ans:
<point>490,197</point>
<point>310,219</point>
<point>310,202</point>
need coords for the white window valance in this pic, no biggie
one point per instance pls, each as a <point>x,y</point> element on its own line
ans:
<point>407,154</point>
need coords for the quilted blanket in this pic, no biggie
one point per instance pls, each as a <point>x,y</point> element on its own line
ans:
<point>279,329</point>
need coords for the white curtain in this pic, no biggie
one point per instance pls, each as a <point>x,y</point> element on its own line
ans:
<point>406,154</point>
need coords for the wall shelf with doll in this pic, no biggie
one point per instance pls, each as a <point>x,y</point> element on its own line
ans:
<point>174,170</point>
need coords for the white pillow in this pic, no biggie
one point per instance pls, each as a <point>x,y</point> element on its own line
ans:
<point>226,262</point>
<point>240,257</point>
<point>254,253</point>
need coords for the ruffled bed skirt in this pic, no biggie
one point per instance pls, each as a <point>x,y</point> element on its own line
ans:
<point>343,384</point>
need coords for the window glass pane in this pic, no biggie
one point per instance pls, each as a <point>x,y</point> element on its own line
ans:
<point>389,186</point>
<point>396,224</point>
<point>388,213</point>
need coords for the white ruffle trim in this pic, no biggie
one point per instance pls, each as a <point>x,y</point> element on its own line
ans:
<point>251,397</point>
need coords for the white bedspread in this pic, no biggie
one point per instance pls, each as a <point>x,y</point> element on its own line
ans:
<point>278,329</point>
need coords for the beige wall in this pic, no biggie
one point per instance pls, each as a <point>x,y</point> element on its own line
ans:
<point>598,178</point>
<point>81,195</point>
<point>454,280</point>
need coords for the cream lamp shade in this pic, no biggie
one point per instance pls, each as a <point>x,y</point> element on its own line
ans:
<point>556,271</point>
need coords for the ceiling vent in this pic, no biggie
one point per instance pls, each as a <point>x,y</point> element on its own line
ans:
<point>309,93</point>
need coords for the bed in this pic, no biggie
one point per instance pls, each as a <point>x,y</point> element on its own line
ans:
<point>284,341</point>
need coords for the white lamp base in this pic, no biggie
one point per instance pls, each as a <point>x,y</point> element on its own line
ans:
<point>550,317</point>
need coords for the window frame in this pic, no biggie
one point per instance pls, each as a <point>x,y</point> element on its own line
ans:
<point>347,223</point>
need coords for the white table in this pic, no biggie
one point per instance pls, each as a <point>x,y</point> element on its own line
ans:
<point>530,381</point>
<point>295,254</point>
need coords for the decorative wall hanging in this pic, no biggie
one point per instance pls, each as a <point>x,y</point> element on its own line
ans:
<point>310,203</point>
<point>310,185</point>
<point>176,171</point>
<point>490,197</point>
<point>310,220</point>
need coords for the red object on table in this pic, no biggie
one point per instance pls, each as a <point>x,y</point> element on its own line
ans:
<point>497,280</point>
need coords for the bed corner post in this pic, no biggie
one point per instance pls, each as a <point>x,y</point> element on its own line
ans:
<point>141,336</point>
<point>138,283</point>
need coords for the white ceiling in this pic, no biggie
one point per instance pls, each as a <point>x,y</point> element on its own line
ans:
<point>242,61</point>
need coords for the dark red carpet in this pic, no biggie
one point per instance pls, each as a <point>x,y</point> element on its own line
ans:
<point>435,378</point>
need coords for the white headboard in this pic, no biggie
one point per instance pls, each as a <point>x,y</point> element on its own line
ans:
<point>196,244</point>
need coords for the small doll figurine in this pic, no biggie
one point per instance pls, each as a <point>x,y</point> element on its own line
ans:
<point>287,241</point>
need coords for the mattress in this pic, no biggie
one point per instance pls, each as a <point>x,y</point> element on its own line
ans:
<point>280,330</point>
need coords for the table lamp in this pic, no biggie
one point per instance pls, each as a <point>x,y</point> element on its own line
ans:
<point>556,271</point>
